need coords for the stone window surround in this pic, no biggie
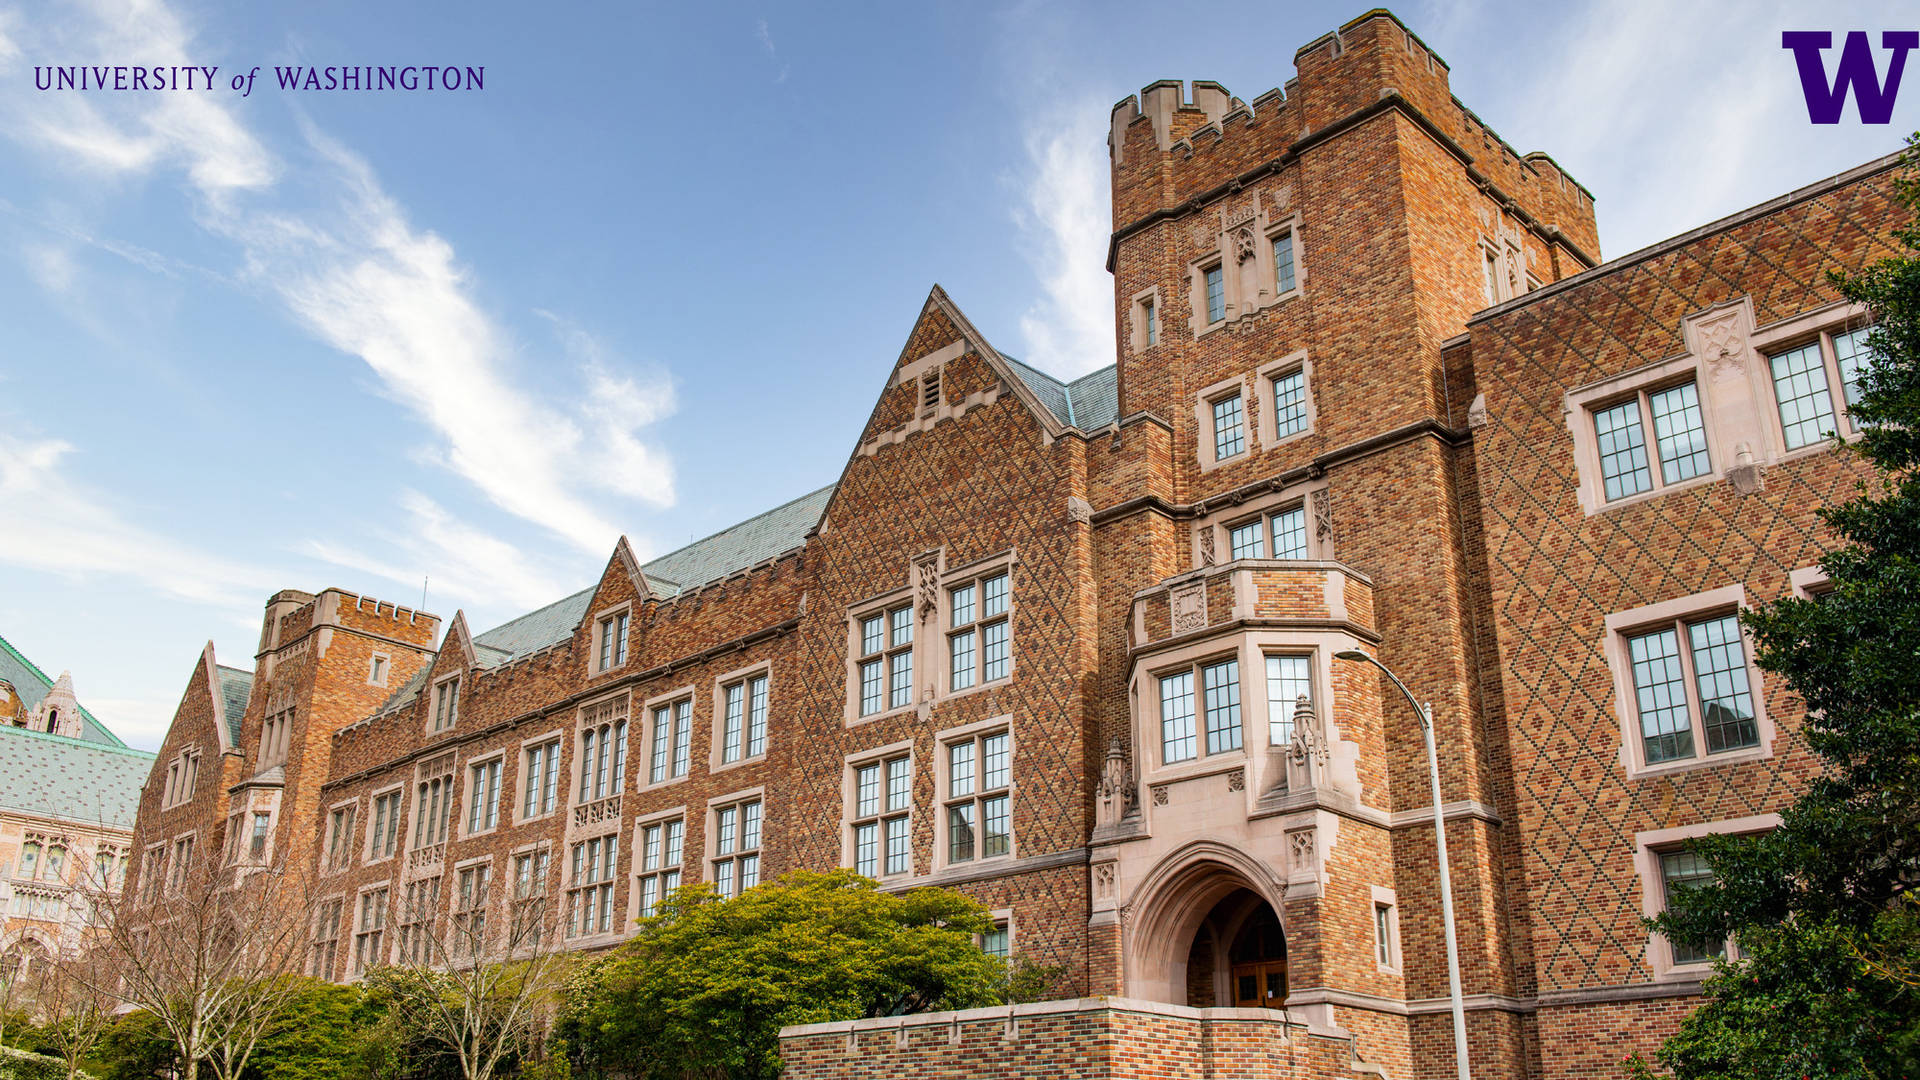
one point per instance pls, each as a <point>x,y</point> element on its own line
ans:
<point>636,853</point>
<point>1250,647</point>
<point>1382,895</point>
<point>568,887</point>
<point>380,664</point>
<point>503,794</point>
<point>1506,256</point>
<point>399,830</point>
<point>153,871</point>
<point>864,609</point>
<point>941,624</point>
<point>1269,411</point>
<point>1203,403</point>
<point>1137,319</point>
<point>424,774</point>
<point>1806,329</point>
<point>1001,916</point>
<point>594,670</point>
<point>1725,403</point>
<point>642,776</point>
<point>717,739</point>
<point>1647,848</point>
<point>942,766</point>
<point>1235,305</point>
<point>354,929</point>
<point>849,796</point>
<point>1808,582</point>
<point>1290,223</point>
<point>560,797</point>
<point>710,842</point>
<point>1620,624</point>
<point>434,689</point>
<point>171,795</point>
<point>254,801</point>
<point>1222,521</point>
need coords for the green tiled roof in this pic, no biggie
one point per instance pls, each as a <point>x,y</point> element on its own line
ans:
<point>80,780</point>
<point>32,685</point>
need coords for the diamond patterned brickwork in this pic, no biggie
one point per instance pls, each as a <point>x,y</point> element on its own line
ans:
<point>1553,573</point>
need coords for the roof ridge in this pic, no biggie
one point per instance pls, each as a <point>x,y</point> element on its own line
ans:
<point>529,614</point>
<point>718,532</point>
<point>1101,370</point>
<point>9,730</point>
<point>31,666</point>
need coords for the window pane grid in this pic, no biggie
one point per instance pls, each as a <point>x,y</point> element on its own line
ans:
<point>756,716</point>
<point>1283,262</point>
<point>1681,870</point>
<point>731,724</point>
<point>1720,676</point>
<point>1229,437</point>
<point>1289,679</point>
<point>1806,403</point>
<point>1290,533</point>
<point>1216,295</point>
<point>1623,450</point>
<point>1247,541</point>
<point>993,653</point>
<point>1222,686</point>
<point>960,646</point>
<point>1665,727</point>
<point>883,801</point>
<point>1678,433</point>
<point>1176,717</point>
<point>1290,404</point>
<point>1850,351</point>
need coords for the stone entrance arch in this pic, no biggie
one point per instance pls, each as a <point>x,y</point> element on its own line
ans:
<point>1183,898</point>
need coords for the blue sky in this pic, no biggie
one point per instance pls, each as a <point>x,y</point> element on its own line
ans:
<point>649,280</point>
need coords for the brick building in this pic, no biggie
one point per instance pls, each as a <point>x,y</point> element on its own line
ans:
<point>1070,647</point>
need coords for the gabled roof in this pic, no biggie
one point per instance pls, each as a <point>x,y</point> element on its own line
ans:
<point>754,540</point>
<point>1089,402</point>
<point>235,687</point>
<point>80,780</point>
<point>32,685</point>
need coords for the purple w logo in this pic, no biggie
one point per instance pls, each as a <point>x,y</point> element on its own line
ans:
<point>1824,101</point>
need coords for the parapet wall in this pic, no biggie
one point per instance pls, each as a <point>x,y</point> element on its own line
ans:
<point>1081,1039</point>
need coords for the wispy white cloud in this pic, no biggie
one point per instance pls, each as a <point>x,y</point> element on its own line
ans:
<point>1063,220</point>
<point>61,526</point>
<point>765,37</point>
<point>466,564</point>
<point>51,266</point>
<point>364,278</point>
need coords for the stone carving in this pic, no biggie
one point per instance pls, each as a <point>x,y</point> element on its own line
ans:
<point>1189,607</point>
<point>1237,780</point>
<point>927,571</point>
<point>1323,514</point>
<point>1239,215</point>
<point>1300,851</point>
<point>1308,745</point>
<point>1723,346</point>
<point>1159,794</point>
<point>1204,237</point>
<point>1116,790</point>
<point>1747,477</point>
<point>1103,881</point>
<point>1477,412</point>
<point>1206,546</point>
<point>1243,245</point>
<point>1282,197</point>
<point>1079,510</point>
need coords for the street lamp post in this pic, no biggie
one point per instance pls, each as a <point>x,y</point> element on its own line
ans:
<point>1425,712</point>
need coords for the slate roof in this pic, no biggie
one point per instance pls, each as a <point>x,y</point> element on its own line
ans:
<point>32,685</point>
<point>754,540</point>
<point>235,687</point>
<point>81,780</point>
<point>1089,402</point>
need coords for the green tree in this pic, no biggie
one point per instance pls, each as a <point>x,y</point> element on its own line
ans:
<point>317,1037</point>
<point>705,987</point>
<point>137,1047</point>
<point>1823,908</point>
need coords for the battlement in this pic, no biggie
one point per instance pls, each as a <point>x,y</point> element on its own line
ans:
<point>1173,144</point>
<point>292,612</point>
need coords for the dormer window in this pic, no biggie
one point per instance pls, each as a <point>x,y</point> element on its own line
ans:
<point>613,641</point>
